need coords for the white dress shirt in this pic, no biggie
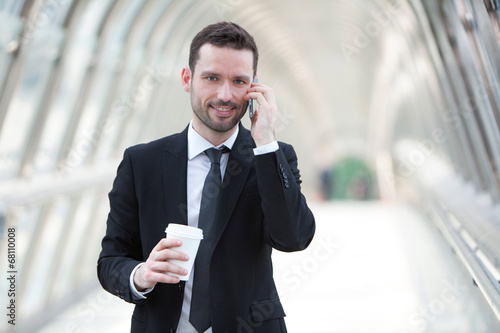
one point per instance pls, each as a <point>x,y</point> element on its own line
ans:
<point>197,170</point>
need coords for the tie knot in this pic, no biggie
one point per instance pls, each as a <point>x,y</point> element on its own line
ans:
<point>214,154</point>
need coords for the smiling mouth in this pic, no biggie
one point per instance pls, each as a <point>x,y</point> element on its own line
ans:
<point>223,111</point>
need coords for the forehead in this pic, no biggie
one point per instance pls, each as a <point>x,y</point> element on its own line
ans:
<point>224,60</point>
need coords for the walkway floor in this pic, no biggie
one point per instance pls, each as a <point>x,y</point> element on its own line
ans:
<point>372,267</point>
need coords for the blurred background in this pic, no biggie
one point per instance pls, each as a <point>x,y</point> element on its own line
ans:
<point>393,107</point>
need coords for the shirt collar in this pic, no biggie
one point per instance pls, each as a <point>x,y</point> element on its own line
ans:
<point>198,144</point>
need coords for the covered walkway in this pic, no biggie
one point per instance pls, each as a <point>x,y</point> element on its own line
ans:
<point>389,100</point>
<point>372,267</point>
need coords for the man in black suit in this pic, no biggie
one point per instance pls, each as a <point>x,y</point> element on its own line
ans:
<point>259,205</point>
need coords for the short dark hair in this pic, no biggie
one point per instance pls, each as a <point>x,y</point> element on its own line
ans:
<point>223,34</point>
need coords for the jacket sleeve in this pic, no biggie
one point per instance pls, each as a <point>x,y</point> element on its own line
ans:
<point>288,222</point>
<point>121,250</point>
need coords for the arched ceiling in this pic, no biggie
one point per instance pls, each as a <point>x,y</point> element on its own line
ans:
<point>330,63</point>
<point>319,56</point>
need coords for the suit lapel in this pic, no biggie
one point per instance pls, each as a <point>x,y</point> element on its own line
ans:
<point>175,178</point>
<point>238,166</point>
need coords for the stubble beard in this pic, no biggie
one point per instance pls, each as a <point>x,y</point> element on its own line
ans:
<point>202,112</point>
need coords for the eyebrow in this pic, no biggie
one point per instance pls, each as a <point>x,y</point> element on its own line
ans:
<point>237,77</point>
<point>209,74</point>
<point>243,78</point>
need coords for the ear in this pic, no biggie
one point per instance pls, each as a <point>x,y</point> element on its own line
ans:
<point>186,79</point>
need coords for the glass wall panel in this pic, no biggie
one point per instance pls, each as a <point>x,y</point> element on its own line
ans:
<point>11,6</point>
<point>468,112</point>
<point>92,126</point>
<point>141,78</point>
<point>24,104</point>
<point>96,228</point>
<point>493,8</point>
<point>10,36</point>
<point>454,90</point>
<point>130,95</point>
<point>478,50</point>
<point>80,52</point>
<point>486,50</point>
<point>95,123</point>
<point>76,237</point>
<point>38,284</point>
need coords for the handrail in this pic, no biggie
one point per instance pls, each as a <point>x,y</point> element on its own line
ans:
<point>41,189</point>
<point>466,218</point>
<point>482,276</point>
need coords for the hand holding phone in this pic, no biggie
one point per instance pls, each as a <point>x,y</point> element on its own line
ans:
<point>251,105</point>
<point>264,113</point>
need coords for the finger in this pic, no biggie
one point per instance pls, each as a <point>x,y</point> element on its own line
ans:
<point>168,267</point>
<point>164,278</point>
<point>266,92</point>
<point>257,87</point>
<point>269,97</point>
<point>166,243</point>
<point>258,84</point>
<point>166,254</point>
<point>258,96</point>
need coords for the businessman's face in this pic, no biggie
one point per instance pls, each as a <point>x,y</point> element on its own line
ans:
<point>218,85</point>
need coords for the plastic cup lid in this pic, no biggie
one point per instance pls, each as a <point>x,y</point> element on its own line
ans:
<point>184,231</point>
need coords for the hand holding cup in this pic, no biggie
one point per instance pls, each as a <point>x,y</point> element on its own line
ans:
<point>156,267</point>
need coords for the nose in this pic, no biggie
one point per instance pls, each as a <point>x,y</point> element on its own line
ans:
<point>224,93</point>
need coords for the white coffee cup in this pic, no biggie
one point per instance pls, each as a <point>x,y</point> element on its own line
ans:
<point>190,237</point>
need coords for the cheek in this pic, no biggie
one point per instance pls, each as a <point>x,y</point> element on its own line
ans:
<point>208,92</point>
<point>240,95</point>
<point>201,94</point>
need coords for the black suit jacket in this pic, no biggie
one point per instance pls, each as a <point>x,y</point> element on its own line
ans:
<point>261,207</point>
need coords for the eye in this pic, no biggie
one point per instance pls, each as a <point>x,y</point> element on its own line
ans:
<point>211,78</point>
<point>239,82</point>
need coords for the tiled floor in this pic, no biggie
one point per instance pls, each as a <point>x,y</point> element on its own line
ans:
<point>372,267</point>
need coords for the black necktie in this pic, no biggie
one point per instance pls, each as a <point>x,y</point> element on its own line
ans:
<point>200,301</point>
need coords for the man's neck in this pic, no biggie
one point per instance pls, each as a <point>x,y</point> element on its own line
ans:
<point>214,137</point>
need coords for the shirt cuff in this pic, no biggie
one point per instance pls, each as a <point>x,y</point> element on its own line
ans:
<point>269,148</point>
<point>135,292</point>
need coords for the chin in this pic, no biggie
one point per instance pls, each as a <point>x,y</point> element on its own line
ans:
<point>225,124</point>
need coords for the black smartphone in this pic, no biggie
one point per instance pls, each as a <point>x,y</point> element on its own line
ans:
<point>251,103</point>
